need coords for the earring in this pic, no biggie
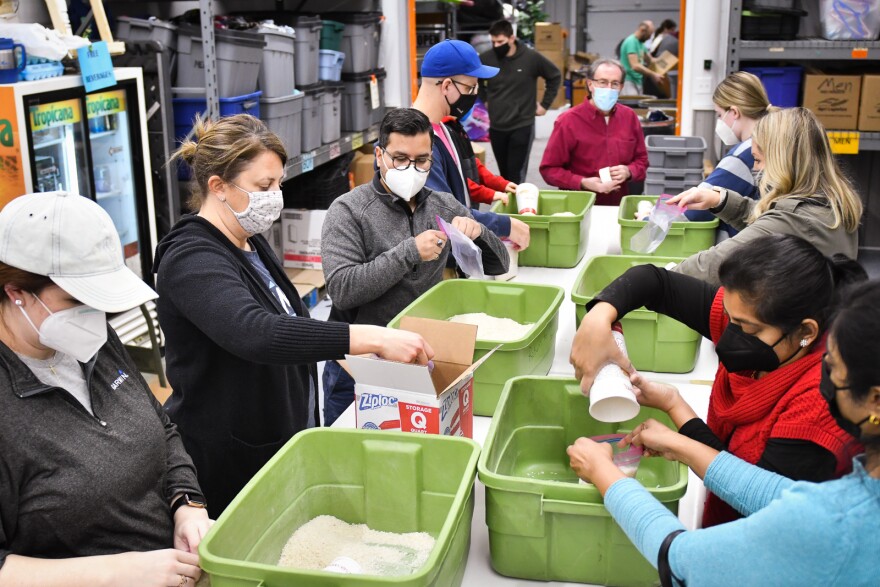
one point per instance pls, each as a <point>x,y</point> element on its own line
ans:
<point>804,343</point>
<point>18,302</point>
<point>873,419</point>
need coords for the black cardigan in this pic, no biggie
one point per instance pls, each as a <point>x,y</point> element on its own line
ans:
<point>238,364</point>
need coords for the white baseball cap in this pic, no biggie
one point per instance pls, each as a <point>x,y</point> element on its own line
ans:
<point>71,240</point>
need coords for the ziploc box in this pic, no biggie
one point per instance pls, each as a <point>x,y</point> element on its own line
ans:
<point>413,398</point>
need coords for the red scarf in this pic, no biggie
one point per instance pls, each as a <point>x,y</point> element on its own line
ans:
<point>745,412</point>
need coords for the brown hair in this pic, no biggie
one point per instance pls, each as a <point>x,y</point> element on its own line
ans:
<point>224,148</point>
<point>25,280</point>
<point>745,91</point>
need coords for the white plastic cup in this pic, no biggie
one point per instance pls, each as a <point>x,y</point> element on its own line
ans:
<point>527,199</point>
<point>605,175</point>
<point>612,398</point>
<point>644,209</point>
<point>344,566</point>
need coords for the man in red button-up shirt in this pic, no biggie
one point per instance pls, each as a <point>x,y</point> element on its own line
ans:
<point>588,138</point>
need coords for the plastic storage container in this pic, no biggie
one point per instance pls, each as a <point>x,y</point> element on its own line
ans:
<point>654,342</point>
<point>308,39</point>
<point>358,112</point>
<point>319,188</point>
<point>277,72</point>
<point>330,65</point>
<point>345,473</point>
<point>312,126</point>
<point>331,112</point>
<point>525,303</point>
<point>675,152</point>
<point>331,35</point>
<point>556,241</point>
<point>683,240</point>
<point>283,116</point>
<point>777,24</point>
<point>660,175</point>
<point>360,41</point>
<point>146,29</point>
<point>239,56</point>
<point>667,186</point>
<point>850,20</point>
<point>768,4</point>
<point>783,84</point>
<point>543,524</point>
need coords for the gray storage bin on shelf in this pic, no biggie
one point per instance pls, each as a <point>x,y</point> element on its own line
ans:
<point>331,115</point>
<point>670,152</point>
<point>357,100</point>
<point>278,67</point>
<point>692,177</point>
<point>665,187</point>
<point>239,55</point>
<point>283,116</point>
<point>311,117</point>
<point>360,41</point>
<point>764,5</point>
<point>308,40</point>
<point>146,29</point>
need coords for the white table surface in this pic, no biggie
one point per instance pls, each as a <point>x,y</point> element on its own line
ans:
<point>694,386</point>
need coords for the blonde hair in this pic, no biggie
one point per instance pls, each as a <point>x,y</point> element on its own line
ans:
<point>224,147</point>
<point>745,91</point>
<point>798,164</point>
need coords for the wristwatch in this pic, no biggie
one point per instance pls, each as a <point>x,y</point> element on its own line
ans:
<point>185,499</point>
<point>721,202</point>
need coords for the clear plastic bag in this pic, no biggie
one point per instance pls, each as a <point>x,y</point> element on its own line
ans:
<point>850,20</point>
<point>468,255</point>
<point>658,222</point>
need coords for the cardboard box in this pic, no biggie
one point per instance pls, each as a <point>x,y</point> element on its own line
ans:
<point>549,36</point>
<point>273,236</point>
<point>309,283</point>
<point>412,398</point>
<point>557,58</point>
<point>479,152</point>
<point>665,63</point>
<point>560,99</point>
<point>301,237</point>
<point>869,110</point>
<point>578,91</point>
<point>834,99</point>
<point>362,168</point>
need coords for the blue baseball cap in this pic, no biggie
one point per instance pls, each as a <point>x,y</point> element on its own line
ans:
<point>453,57</point>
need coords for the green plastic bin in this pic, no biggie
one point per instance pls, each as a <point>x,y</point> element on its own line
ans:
<point>654,342</point>
<point>556,241</point>
<point>331,35</point>
<point>543,524</point>
<point>525,303</point>
<point>684,238</point>
<point>391,481</point>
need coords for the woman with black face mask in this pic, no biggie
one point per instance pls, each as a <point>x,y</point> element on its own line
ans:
<point>794,533</point>
<point>768,323</point>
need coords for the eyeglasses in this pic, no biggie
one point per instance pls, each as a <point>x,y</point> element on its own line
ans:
<point>471,90</point>
<point>402,162</point>
<point>604,83</point>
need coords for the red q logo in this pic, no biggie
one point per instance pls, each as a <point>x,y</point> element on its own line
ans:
<point>419,421</point>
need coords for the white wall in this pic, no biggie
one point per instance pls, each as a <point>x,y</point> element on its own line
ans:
<point>705,38</point>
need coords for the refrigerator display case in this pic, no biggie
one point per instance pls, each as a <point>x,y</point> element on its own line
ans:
<point>58,137</point>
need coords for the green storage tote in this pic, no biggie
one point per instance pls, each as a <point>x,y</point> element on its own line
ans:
<point>331,35</point>
<point>654,342</point>
<point>391,481</point>
<point>525,303</point>
<point>543,524</point>
<point>556,241</point>
<point>683,240</point>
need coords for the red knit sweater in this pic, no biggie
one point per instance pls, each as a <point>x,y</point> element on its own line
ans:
<point>745,412</point>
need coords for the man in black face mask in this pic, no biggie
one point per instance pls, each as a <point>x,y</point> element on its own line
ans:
<point>511,98</point>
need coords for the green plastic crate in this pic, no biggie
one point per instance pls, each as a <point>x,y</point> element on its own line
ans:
<point>556,241</point>
<point>683,240</point>
<point>654,342</point>
<point>331,35</point>
<point>543,525</point>
<point>391,481</point>
<point>525,303</point>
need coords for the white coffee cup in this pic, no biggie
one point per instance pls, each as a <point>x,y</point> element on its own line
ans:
<point>605,175</point>
<point>612,398</point>
<point>344,566</point>
<point>527,199</point>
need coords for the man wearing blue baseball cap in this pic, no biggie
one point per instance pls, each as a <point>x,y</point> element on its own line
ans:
<point>450,72</point>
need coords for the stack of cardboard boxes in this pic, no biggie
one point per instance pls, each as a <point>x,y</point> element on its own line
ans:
<point>844,102</point>
<point>550,42</point>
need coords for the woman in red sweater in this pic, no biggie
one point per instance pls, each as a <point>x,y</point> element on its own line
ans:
<point>768,323</point>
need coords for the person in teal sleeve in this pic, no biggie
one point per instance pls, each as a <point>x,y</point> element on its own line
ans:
<point>636,60</point>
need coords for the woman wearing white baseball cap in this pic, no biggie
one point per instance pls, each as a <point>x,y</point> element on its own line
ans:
<point>95,485</point>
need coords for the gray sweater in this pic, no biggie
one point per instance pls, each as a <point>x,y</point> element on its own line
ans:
<point>371,261</point>
<point>808,218</point>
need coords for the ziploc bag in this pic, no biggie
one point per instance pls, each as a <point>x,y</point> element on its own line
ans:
<point>659,220</point>
<point>468,255</point>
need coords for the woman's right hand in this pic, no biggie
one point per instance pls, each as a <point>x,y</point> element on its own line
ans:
<point>654,395</point>
<point>154,568</point>
<point>403,346</point>
<point>594,346</point>
<point>696,199</point>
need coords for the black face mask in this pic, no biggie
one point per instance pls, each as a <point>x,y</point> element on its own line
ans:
<point>829,392</point>
<point>501,50</point>
<point>739,351</point>
<point>462,106</point>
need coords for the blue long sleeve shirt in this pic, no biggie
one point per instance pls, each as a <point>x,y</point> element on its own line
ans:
<point>795,533</point>
<point>733,172</point>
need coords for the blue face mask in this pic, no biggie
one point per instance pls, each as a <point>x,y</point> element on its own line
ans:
<point>605,98</point>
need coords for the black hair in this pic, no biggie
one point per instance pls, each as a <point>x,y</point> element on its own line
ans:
<point>406,121</point>
<point>787,280</point>
<point>855,328</point>
<point>666,25</point>
<point>501,28</point>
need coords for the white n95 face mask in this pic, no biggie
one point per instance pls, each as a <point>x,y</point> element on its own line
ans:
<point>79,331</point>
<point>725,133</point>
<point>404,184</point>
<point>262,211</point>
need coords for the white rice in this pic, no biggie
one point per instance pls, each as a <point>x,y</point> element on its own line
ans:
<point>564,214</point>
<point>492,328</point>
<point>319,542</point>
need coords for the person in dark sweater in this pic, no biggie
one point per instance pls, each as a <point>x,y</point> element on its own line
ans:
<point>240,346</point>
<point>95,485</point>
<point>512,98</point>
<point>768,322</point>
